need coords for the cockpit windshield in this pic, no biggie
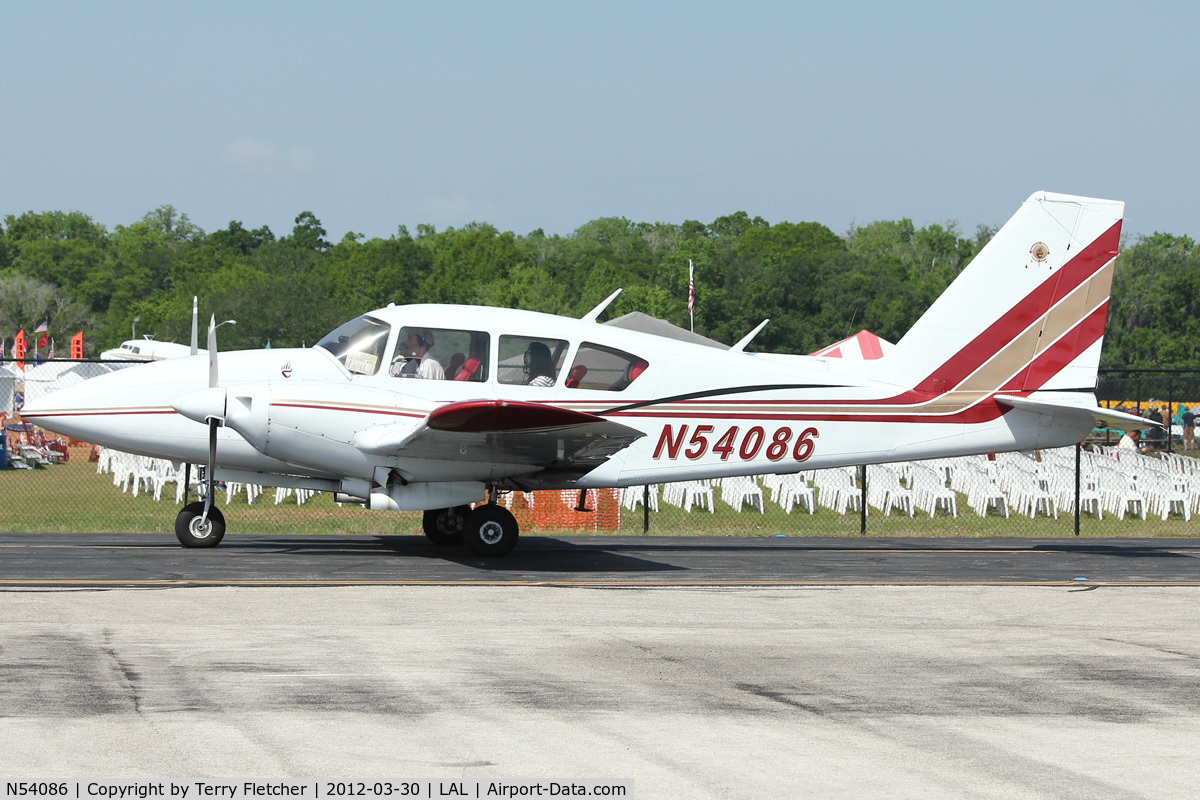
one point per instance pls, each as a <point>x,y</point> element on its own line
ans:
<point>359,344</point>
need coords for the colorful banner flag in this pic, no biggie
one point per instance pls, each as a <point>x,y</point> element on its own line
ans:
<point>19,349</point>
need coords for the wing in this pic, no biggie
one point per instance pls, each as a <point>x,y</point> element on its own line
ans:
<point>561,441</point>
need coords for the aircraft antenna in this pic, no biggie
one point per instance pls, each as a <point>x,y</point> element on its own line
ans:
<point>741,345</point>
<point>195,324</point>
<point>598,310</point>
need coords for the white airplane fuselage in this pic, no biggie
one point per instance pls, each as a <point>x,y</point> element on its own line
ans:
<point>316,410</point>
<point>428,406</point>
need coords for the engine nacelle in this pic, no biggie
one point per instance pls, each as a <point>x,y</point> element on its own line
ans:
<point>421,496</point>
<point>311,424</point>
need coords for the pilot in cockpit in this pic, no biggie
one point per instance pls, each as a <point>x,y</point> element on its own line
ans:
<point>413,351</point>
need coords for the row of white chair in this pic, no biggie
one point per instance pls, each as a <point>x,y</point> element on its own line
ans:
<point>136,474</point>
<point>1117,481</point>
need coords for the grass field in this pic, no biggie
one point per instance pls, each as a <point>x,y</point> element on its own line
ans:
<point>73,498</point>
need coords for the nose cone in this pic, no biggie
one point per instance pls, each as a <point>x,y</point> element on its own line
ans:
<point>93,410</point>
<point>124,409</point>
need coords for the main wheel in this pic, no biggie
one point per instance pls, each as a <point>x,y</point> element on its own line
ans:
<point>192,533</point>
<point>445,525</point>
<point>490,531</point>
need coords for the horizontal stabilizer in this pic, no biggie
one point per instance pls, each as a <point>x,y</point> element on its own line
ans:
<point>1103,417</point>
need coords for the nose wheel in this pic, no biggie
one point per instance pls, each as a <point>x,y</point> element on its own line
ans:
<point>193,529</point>
<point>490,531</point>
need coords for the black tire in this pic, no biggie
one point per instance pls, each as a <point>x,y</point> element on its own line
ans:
<point>444,526</point>
<point>490,531</point>
<point>190,533</point>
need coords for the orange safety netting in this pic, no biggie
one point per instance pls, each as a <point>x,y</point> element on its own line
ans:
<point>555,510</point>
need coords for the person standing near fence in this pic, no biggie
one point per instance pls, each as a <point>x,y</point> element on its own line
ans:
<point>1189,428</point>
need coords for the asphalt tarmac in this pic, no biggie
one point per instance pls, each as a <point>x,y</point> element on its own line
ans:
<point>687,668</point>
<point>99,560</point>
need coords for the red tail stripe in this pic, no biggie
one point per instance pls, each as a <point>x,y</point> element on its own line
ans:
<point>1086,263</point>
<point>1055,358</point>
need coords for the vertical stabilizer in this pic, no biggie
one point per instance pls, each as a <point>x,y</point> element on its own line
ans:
<point>1028,312</point>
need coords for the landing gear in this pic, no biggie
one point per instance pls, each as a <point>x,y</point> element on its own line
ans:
<point>193,530</point>
<point>490,531</point>
<point>444,526</point>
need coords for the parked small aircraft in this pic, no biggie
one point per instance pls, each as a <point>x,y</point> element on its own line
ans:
<point>435,407</point>
<point>146,349</point>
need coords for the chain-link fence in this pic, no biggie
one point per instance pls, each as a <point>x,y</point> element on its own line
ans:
<point>72,486</point>
<point>1150,393</point>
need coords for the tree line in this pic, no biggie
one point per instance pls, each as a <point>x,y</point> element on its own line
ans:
<point>815,285</point>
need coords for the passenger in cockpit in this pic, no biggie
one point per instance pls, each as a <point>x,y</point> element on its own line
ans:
<point>539,367</point>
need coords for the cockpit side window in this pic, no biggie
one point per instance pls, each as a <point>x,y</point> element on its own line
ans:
<point>530,360</point>
<point>359,344</point>
<point>441,354</point>
<point>604,368</point>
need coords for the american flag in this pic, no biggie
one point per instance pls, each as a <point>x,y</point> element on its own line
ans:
<point>45,338</point>
<point>692,294</point>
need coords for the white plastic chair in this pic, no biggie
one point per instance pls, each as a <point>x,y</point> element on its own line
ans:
<point>740,491</point>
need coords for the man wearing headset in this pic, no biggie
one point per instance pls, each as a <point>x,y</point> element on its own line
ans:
<point>420,365</point>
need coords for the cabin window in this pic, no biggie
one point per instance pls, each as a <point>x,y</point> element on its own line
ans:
<point>530,360</point>
<point>359,344</point>
<point>449,354</point>
<point>603,368</point>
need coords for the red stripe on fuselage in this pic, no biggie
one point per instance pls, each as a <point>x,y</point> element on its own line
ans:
<point>351,409</point>
<point>1048,364</point>
<point>50,414</point>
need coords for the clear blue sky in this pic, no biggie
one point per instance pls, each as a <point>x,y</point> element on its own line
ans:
<point>549,114</point>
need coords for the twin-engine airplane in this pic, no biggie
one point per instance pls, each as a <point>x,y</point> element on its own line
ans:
<point>435,407</point>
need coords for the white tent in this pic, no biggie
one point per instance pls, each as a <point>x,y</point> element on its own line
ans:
<point>46,378</point>
<point>8,386</point>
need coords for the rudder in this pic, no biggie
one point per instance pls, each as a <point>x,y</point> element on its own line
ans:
<point>1028,312</point>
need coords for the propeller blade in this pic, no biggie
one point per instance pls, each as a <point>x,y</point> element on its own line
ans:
<point>195,324</point>
<point>212,352</point>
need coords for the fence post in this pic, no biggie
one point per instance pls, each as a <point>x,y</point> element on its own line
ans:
<point>862,512</point>
<point>646,509</point>
<point>1078,451</point>
<point>1170,410</point>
